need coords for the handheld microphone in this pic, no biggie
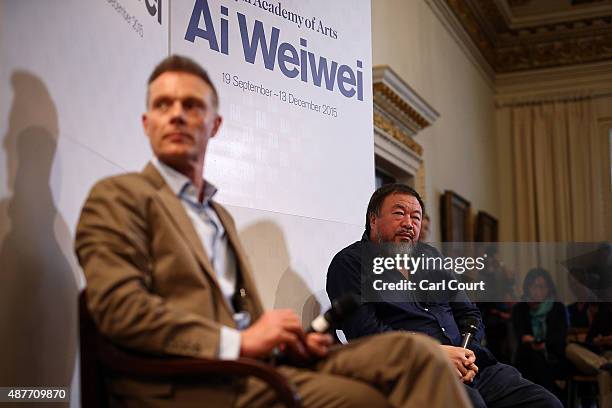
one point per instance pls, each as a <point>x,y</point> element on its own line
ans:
<point>470,327</point>
<point>340,309</point>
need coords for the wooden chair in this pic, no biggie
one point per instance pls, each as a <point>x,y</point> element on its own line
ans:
<point>573,384</point>
<point>575,380</point>
<point>99,358</point>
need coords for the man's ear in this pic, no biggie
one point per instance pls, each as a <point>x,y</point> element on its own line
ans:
<point>372,221</point>
<point>216,125</point>
<point>144,120</point>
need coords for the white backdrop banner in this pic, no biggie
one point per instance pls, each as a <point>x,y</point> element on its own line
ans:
<point>294,159</point>
<point>294,79</point>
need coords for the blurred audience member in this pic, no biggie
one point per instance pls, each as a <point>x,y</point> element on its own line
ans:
<point>594,356</point>
<point>540,326</point>
<point>581,314</point>
<point>497,311</point>
<point>424,228</point>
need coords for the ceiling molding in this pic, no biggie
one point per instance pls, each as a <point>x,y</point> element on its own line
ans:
<point>458,32</point>
<point>565,16</point>
<point>510,44</point>
<point>587,80</point>
<point>505,11</point>
<point>558,18</point>
<point>552,62</point>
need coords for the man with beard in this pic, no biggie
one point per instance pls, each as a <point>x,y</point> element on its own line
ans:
<point>394,217</point>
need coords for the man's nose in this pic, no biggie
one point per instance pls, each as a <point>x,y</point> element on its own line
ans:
<point>177,112</point>
<point>407,223</point>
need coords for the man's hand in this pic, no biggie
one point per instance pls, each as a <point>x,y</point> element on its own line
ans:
<point>527,339</point>
<point>598,340</point>
<point>274,328</point>
<point>463,360</point>
<point>531,341</point>
<point>318,344</point>
<point>602,341</point>
<point>505,315</point>
<point>303,353</point>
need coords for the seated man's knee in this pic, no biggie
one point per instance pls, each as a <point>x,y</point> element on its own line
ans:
<point>419,343</point>
<point>407,340</point>
<point>539,397</point>
<point>364,395</point>
<point>340,392</point>
<point>396,346</point>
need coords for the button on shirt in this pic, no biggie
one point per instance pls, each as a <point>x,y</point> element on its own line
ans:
<point>210,230</point>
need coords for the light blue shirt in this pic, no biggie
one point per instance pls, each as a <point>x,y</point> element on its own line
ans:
<point>210,230</point>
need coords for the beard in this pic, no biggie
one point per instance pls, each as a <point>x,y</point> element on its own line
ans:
<point>404,248</point>
<point>390,249</point>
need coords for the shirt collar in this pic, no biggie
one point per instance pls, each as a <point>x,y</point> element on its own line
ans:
<point>181,185</point>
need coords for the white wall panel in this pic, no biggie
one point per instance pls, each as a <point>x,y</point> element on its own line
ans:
<point>459,148</point>
<point>290,256</point>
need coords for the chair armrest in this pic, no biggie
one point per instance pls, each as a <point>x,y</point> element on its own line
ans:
<point>118,361</point>
<point>97,353</point>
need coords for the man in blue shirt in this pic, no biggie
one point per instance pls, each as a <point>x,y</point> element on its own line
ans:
<point>394,216</point>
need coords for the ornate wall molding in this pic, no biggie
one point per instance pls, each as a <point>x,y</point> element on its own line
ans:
<point>509,43</point>
<point>384,124</point>
<point>399,102</point>
<point>399,114</point>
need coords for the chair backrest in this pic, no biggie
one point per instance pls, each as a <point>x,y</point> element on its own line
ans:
<point>93,387</point>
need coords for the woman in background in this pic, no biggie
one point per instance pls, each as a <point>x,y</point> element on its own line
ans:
<point>540,325</point>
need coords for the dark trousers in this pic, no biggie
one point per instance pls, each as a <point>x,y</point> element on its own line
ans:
<point>500,386</point>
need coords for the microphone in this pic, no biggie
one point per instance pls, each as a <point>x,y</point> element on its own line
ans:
<point>340,309</point>
<point>470,327</point>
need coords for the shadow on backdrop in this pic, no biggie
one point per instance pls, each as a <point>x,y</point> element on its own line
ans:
<point>39,290</point>
<point>266,245</point>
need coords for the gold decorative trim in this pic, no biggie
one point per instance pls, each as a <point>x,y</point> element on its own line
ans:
<point>394,98</point>
<point>383,123</point>
<point>420,183</point>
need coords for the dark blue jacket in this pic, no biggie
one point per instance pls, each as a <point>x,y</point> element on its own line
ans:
<point>436,318</point>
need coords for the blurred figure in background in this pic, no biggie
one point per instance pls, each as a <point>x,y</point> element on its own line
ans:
<point>581,315</point>
<point>594,356</point>
<point>501,283</point>
<point>540,326</point>
<point>425,224</point>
